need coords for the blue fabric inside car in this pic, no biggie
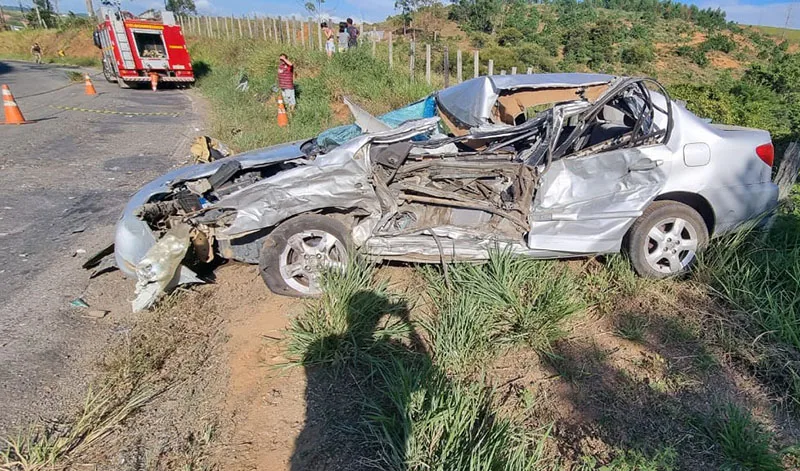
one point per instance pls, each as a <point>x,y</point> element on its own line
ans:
<point>425,108</point>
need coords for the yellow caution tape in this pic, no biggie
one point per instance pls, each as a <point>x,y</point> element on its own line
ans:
<point>127,113</point>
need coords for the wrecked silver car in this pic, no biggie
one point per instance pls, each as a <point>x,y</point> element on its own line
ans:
<point>548,165</point>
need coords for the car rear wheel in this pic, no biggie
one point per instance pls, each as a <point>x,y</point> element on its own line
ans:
<point>296,254</point>
<point>665,239</point>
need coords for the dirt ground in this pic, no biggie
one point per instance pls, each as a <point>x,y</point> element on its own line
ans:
<point>600,391</point>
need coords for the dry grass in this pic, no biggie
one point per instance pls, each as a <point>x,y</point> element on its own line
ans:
<point>163,349</point>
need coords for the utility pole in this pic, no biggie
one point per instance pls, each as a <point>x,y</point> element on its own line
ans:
<point>3,26</point>
<point>788,17</point>
<point>89,8</point>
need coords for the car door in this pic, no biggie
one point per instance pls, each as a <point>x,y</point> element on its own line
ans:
<point>586,204</point>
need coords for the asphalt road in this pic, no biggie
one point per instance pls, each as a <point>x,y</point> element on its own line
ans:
<point>63,182</point>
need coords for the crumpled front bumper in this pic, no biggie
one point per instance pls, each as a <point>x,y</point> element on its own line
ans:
<point>132,240</point>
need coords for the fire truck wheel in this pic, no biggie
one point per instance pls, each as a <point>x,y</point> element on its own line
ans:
<point>108,73</point>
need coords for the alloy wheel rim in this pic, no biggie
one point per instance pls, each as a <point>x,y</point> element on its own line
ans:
<point>671,245</point>
<point>306,257</point>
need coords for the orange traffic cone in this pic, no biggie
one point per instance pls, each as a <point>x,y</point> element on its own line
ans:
<point>283,118</point>
<point>89,87</point>
<point>13,114</point>
<point>154,80</point>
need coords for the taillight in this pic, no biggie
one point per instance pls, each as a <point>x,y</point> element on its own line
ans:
<point>766,152</point>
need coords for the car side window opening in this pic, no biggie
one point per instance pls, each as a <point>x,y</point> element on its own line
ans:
<point>625,118</point>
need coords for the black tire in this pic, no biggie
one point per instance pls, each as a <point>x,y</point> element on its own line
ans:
<point>652,259</point>
<point>276,246</point>
<point>108,72</point>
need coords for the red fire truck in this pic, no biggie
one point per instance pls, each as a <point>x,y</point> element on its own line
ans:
<point>133,48</point>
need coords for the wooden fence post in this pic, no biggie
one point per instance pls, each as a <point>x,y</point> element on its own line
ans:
<point>391,51</point>
<point>513,71</point>
<point>428,63</point>
<point>476,63</point>
<point>411,60</point>
<point>530,70</point>
<point>311,36</point>
<point>208,26</point>
<point>219,31</point>
<point>250,27</point>
<point>446,66</point>
<point>288,32</point>
<point>264,28</point>
<point>275,29</point>
<point>227,31</point>
<point>491,67</point>
<point>239,20</point>
<point>320,40</point>
<point>503,72</point>
<point>459,76</point>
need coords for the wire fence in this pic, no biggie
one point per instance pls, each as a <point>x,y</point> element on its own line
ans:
<point>443,65</point>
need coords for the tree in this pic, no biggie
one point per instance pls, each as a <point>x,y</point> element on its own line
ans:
<point>315,8</point>
<point>42,15</point>
<point>181,7</point>
<point>406,7</point>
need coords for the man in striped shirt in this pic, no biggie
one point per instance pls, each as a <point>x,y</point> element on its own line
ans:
<point>286,81</point>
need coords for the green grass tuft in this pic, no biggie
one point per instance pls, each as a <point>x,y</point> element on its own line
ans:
<point>740,441</point>
<point>354,317</point>
<point>509,300</point>
<point>428,422</point>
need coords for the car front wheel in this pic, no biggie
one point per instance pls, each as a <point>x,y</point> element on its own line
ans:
<point>296,254</point>
<point>665,239</point>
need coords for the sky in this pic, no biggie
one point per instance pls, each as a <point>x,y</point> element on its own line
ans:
<point>758,12</point>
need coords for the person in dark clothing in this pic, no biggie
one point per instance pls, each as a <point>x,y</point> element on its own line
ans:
<point>286,81</point>
<point>36,51</point>
<point>352,34</point>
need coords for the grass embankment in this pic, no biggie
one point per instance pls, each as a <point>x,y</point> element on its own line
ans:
<point>432,396</point>
<point>76,43</point>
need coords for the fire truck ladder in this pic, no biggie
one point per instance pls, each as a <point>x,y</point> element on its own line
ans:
<point>123,44</point>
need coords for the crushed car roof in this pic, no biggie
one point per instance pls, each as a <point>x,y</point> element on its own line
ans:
<point>471,102</point>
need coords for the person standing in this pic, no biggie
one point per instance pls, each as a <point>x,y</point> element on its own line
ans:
<point>342,37</point>
<point>352,34</point>
<point>36,50</point>
<point>286,81</point>
<point>330,48</point>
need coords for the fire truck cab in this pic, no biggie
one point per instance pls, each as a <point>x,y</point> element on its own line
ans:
<point>133,48</point>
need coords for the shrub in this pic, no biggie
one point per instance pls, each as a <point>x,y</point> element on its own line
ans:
<point>719,42</point>
<point>637,54</point>
<point>509,37</point>
<point>534,55</point>
<point>684,51</point>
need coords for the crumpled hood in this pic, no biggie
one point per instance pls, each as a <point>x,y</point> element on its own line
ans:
<point>133,236</point>
<point>254,158</point>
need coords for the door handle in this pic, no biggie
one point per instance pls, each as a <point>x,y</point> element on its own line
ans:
<point>644,165</point>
